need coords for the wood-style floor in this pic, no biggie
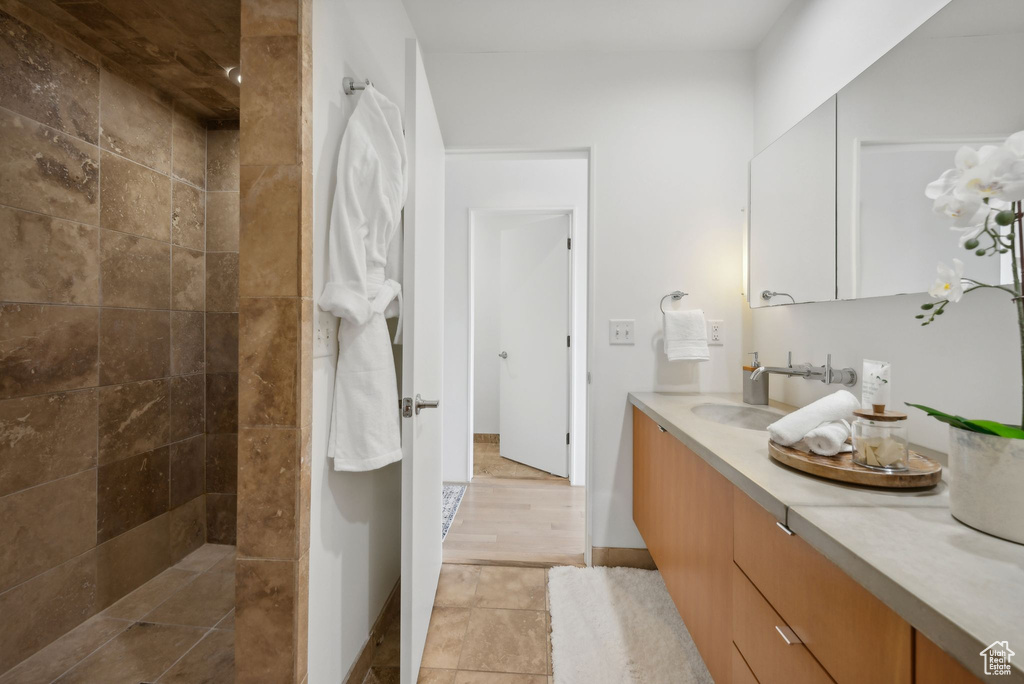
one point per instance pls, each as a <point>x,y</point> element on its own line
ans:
<point>535,521</point>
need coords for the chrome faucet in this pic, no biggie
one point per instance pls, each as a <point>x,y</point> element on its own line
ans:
<point>827,374</point>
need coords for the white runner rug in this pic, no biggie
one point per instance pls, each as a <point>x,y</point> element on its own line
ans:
<point>618,626</point>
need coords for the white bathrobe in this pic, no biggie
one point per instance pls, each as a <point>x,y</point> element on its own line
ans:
<point>364,266</point>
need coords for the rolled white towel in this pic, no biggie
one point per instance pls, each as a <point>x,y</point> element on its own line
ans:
<point>790,429</point>
<point>828,439</point>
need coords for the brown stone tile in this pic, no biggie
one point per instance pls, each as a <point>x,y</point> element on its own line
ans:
<point>222,281</point>
<point>150,595</point>
<point>222,463</point>
<point>202,602</point>
<point>67,651</point>
<point>211,661</point>
<point>268,467</point>
<point>268,350</point>
<point>306,363</point>
<point>188,149</point>
<point>206,557</point>
<point>136,272</point>
<point>222,160</point>
<point>188,527</point>
<point>47,348</point>
<point>470,677</point>
<point>445,637</point>
<point>429,676</point>
<point>265,617</point>
<point>188,351</point>
<point>302,619</point>
<point>45,526</point>
<point>47,260</point>
<point>226,564</point>
<point>511,587</point>
<point>222,215</point>
<point>221,403</point>
<point>221,518</point>
<point>134,199</point>
<point>188,282</point>
<point>305,478</point>
<point>138,654</point>
<point>188,470</point>
<point>188,216</point>
<point>134,345</point>
<point>269,231</point>
<point>623,558</point>
<point>229,620</point>
<point>133,418</point>
<point>222,342</point>
<point>500,640</point>
<point>270,119</point>
<point>130,492</point>
<point>38,611</point>
<point>388,652</point>
<point>134,125</point>
<point>46,82</point>
<point>46,437</point>
<point>383,675</point>
<point>270,18</point>
<point>456,587</point>
<point>48,171</point>
<point>129,560</point>
<point>187,406</point>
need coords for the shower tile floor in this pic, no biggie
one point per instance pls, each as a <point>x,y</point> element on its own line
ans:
<point>176,628</point>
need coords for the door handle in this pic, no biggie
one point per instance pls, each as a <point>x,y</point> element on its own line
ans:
<point>426,403</point>
<point>503,355</point>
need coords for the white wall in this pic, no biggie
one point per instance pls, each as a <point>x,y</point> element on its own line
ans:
<point>672,136</point>
<point>500,181</point>
<point>968,362</point>
<point>355,522</point>
<point>486,326</point>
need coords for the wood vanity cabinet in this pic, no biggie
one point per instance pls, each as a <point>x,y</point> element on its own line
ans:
<point>744,585</point>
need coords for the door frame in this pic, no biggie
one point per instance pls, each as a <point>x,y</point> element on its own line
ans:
<point>477,214</point>
<point>589,152</point>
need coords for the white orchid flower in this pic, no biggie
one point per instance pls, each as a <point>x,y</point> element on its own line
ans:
<point>968,234</point>
<point>966,213</point>
<point>1015,143</point>
<point>999,174</point>
<point>949,285</point>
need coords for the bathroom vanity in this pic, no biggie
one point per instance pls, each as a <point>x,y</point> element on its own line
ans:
<point>784,577</point>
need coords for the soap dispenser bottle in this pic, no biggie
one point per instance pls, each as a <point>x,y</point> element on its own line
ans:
<point>755,391</point>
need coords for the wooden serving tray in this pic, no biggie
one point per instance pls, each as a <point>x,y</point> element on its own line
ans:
<point>921,470</point>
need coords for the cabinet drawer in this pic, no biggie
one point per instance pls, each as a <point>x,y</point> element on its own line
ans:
<point>856,637</point>
<point>758,634</point>
<point>741,674</point>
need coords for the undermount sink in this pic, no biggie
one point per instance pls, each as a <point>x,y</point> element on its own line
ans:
<point>745,417</point>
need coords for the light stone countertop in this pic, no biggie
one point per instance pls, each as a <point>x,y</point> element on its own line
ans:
<point>962,588</point>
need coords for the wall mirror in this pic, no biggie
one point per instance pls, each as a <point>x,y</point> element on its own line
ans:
<point>897,127</point>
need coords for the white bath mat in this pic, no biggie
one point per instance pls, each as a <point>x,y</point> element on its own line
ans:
<point>618,626</point>
<point>451,497</point>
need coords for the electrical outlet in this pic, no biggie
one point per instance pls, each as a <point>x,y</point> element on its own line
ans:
<point>716,333</point>
<point>620,331</point>
<point>325,334</point>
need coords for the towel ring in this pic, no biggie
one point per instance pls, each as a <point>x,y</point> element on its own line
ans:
<point>676,296</point>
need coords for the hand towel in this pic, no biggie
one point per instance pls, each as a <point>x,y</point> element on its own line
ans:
<point>828,439</point>
<point>790,429</point>
<point>686,336</point>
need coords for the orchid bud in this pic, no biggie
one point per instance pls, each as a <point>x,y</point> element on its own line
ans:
<point>1005,217</point>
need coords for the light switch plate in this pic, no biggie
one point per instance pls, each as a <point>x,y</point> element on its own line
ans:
<point>620,331</point>
<point>325,334</point>
<point>716,333</point>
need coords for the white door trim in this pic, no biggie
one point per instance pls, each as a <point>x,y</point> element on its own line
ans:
<point>589,153</point>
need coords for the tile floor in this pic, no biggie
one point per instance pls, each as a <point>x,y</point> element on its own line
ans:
<point>488,462</point>
<point>490,625</point>
<point>178,628</point>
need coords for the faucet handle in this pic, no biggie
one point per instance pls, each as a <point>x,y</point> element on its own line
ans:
<point>755,363</point>
<point>827,377</point>
<point>789,360</point>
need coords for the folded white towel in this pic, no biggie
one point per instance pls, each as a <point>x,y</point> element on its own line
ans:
<point>790,429</point>
<point>828,439</point>
<point>686,336</point>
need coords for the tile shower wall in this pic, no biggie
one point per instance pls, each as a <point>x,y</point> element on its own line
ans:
<point>103,290</point>
<point>221,332</point>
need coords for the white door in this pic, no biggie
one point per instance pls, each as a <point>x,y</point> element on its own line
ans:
<point>533,383</point>
<point>423,290</point>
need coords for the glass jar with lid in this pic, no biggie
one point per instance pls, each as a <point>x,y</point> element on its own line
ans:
<point>880,439</point>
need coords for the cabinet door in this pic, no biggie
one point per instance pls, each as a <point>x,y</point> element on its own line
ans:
<point>932,665</point>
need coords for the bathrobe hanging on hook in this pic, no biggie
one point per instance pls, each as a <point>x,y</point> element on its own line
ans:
<point>363,272</point>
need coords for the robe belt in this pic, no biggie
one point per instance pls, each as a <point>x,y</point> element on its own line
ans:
<point>388,291</point>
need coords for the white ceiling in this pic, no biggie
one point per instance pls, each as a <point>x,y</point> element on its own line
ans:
<point>591,25</point>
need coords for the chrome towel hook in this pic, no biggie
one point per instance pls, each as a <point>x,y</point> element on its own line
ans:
<point>350,85</point>
<point>676,296</point>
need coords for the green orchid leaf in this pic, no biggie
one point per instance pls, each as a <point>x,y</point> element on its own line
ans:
<point>955,421</point>
<point>1008,431</point>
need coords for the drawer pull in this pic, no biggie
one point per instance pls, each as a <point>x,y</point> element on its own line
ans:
<point>785,529</point>
<point>662,429</point>
<point>788,635</point>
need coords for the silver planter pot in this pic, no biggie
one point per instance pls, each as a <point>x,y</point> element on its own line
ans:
<point>986,490</point>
